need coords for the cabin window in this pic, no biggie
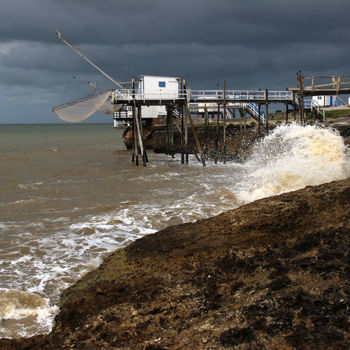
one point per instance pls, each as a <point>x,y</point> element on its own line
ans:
<point>161,84</point>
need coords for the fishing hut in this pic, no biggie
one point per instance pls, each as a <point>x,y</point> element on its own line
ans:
<point>171,98</point>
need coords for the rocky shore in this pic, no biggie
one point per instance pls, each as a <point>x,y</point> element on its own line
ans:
<point>273,274</point>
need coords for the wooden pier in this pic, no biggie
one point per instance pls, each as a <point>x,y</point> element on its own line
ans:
<point>219,102</point>
<point>181,104</point>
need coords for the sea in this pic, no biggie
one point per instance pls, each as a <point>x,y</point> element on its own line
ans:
<point>69,195</point>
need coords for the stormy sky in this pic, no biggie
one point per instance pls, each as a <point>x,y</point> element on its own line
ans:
<point>249,43</point>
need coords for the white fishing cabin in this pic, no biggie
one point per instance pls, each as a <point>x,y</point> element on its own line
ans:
<point>153,87</point>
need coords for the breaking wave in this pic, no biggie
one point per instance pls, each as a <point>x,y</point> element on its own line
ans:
<point>18,305</point>
<point>293,157</point>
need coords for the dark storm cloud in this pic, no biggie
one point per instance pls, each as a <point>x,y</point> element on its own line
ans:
<point>160,21</point>
<point>250,43</point>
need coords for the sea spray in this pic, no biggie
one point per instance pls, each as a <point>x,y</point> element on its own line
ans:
<point>19,305</point>
<point>292,157</point>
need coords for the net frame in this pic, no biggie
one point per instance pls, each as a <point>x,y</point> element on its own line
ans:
<point>81,109</point>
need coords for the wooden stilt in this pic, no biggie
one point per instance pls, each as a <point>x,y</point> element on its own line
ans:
<point>167,131</point>
<point>181,109</point>
<point>217,133</point>
<point>206,129</point>
<point>245,120</point>
<point>133,140</point>
<point>140,135</point>
<point>171,130</point>
<point>294,108</point>
<point>186,121</point>
<point>314,113</point>
<point>199,148</point>
<point>206,118</point>
<point>259,120</point>
<point>143,137</point>
<point>301,98</point>
<point>224,136</point>
<point>182,135</point>
<point>135,155</point>
<point>240,120</point>
<point>286,112</point>
<point>136,150</point>
<point>267,110</point>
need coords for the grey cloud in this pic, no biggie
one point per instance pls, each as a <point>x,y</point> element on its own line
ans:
<point>250,43</point>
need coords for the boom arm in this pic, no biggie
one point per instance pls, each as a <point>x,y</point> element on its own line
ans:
<point>60,37</point>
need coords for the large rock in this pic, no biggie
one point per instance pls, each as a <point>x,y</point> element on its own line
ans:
<point>272,274</point>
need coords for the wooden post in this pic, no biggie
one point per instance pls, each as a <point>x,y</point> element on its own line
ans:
<point>186,121</point>
<point>300,97</point>
<point>244,119</point>
<point>267,110</point>
<point>217,128</point>
<point>286,112</point>
<point>167,129</point>
<point>170,130</point>
<point>224,138</point>
<point>302,111</point>
<point>206,118</point>
<point>182,134</point>
<point>181,110</point>
<point>135,155</point>
<point>206,126</point>
<point>338,84</point>
<point>199,148</point>
<point>240,120</point>
<point>259,120</point>
<point>314,112</point>
<point>141,138</point>
<point>133,139</point>
<point>294,108</point>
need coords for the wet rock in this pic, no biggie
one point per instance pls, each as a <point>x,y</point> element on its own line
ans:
<point>235,336</point>
<point>273,274</point>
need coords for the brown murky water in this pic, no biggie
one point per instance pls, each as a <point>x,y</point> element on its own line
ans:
<point>69,194</point>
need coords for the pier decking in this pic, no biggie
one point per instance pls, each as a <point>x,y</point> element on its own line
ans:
<point>322,85</point>
<point>127,96</point>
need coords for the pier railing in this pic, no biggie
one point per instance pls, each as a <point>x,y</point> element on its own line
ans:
<point>204,95</point>
<point>237,95</point>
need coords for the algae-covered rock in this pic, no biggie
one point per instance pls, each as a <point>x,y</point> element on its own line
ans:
<point>273,274</point>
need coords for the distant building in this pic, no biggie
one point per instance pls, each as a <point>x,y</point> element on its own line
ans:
<point>327,101</point>
<point>323,101</point>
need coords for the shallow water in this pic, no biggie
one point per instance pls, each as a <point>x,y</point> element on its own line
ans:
<point>70,195</point>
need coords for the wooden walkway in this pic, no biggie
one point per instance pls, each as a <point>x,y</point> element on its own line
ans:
<point>128,96</point>
<point>322,85</point>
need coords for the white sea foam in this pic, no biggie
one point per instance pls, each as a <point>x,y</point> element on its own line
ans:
<point>18,305</point>
<point>32,186</point>
<point>293,157</point>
